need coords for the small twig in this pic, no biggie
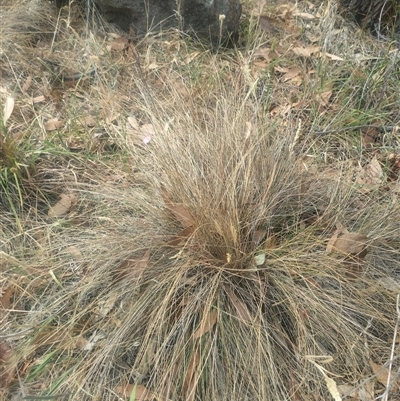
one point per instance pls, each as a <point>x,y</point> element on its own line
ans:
<point>355,127</point>
<point>55,67</point>
<point>385,395</point>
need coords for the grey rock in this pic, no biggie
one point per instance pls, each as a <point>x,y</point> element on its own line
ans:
<point>203,18</point>
<point>372,12</point>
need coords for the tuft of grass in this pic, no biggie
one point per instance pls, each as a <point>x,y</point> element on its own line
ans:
<point>191,262</point>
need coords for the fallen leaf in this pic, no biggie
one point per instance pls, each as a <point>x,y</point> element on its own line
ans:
<point>241,308</point>
<point>291,74</point>
<point>369,136</point>
<point>348,243</point>
<point>133,122</point>
<point>281,69</point>
<point>306,51</point>
<point>333,57</point>
<point>8,108</point>
<point>27,84</point>
<point>147,129</point>
<point>182,236</point>
<point>5,298</point>
<point>6,374</point>
<point>152,66</point>
<point>258,236</point>
<point>366,391</point>
<point>74,252</point>
<point>179,211</point>
<point>62,206</point>
<point>38,99</point>
<point>281,110</point>
<point>131,268</point>
<point>381,373</point>
<point>141,392</point>
<point>330,383</point>
<point>347,390</point>
<point>259,259</point>
<point>304,16</point>
<point>120,43</point>
<point>53,124</point>
<point>89,121</point>
<point>191,377</point>
<point>266,53</point>
<point>371,177</point>
<point>207,323</point>
<point>324,97</point>
<point>77,342</point>
<point>191,57</point>
<point>270,242</point>
<point>268,24</point>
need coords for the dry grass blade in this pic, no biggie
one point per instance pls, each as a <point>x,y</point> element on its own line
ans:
<point>207,323</point>
<point>191,377</point>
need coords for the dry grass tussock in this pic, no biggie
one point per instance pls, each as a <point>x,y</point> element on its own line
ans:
<point>191,258</point>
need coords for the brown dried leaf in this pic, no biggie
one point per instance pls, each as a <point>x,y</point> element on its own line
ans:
<point>27,84</point>
<point>258,236</point>
<point>347,390</point>
<point>191,57</point>
<point>191,377</point>
<point>74,252</point>
<point>333,57</point>
<point>348,243</point>
<point>77,342</point>
<point>182,236</point>
<point>304,16</point>
<point>332,240</point>
<point>268,24</point>
<point>179,211</point>
<point>324,97</point>
<point>141,393</point>
<point>132,268</point>
<point>371,177</point>
<point>381,373</point>
<point>89,121</point>
<point>270,242</point>
<point>206,324</point>
<point>366,391</point>
<point>62,206</point>
<point>6,374</point>
<point>39,99</point>
<point>291,74</point>
<point>281,110</point>
<point>133,122</point>
<point>306,51</point>
<point>120,43</point>
<point>241,308</point>
<point>53,124</point>
<point>5,298</point>
<point>369,136</point>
